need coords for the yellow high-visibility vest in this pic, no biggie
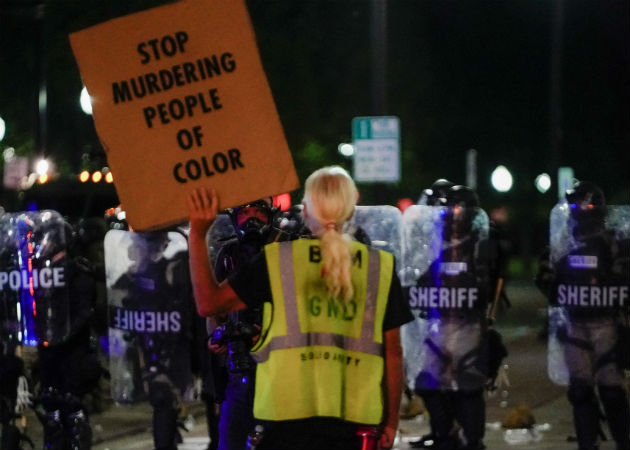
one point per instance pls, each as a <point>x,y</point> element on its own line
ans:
<point>320,356</point>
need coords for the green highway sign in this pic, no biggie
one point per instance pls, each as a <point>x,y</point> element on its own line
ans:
<point>376,142</point>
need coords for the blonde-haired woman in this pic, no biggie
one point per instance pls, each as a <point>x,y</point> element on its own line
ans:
<point>329,371</point>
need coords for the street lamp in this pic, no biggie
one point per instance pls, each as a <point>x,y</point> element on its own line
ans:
<point>41,169</point>
<point>42,166</point>
<point>86,103</point>
<point>346,149</point>
<point>501,179</point>
<point>543,182</point>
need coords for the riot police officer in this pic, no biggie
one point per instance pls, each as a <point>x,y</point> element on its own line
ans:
<point>432,196</point>
<point>451,295</point>
<point>234,334</point>
<point>69,370</point>
<point>152,358</point>
<point>11,372</point>
<point>586,280</point>
<point>11,365</point>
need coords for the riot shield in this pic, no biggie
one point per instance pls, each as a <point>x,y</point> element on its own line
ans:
<point>444,273</point>
<point>150,311</point>
<point>34,307</point>
<point>381,223</point>
<point>589,254</point>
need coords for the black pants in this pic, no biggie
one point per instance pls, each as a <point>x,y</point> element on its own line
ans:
<point>310,434</point>
<point>586,414</point>
<point>467,408</point>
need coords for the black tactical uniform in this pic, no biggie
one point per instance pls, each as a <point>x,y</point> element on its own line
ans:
<point>11,366</point>
<point>163,369</point>
<point>454,372</point>
<point>589,284</point>
<point>11,369</point>
<point>69,370</point>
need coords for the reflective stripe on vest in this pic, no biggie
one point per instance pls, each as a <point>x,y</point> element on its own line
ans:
<point>322,373</point>
<point>295,338</point>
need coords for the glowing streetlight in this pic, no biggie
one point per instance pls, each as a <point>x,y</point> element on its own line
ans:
<point>543,182</point>
<point>346,149</point>
<point>42,166</point>
<point>97,176</point>
<point>86,103</point>
<point>84,176</point>
<point>3,128</point>
<point>501,179</point>
<point>8,154</point>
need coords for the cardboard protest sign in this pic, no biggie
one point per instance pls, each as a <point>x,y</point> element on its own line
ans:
<point>180,100</point>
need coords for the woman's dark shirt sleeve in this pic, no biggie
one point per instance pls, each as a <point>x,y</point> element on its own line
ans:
<point>397,312</point>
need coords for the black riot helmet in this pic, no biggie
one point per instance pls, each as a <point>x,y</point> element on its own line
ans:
<point>252,220</point>
<point>462,205</point>
<point>436,194</point>
<point>53,240</point>
<point>459,195</point>
<point>587,206</point>
<point>90,230</point>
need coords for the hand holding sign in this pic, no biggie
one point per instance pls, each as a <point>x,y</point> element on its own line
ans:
<point>203,207</point>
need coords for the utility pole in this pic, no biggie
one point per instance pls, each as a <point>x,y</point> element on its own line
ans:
<point>378,33</point>
<point>555,87</point>
<point>42,91</point>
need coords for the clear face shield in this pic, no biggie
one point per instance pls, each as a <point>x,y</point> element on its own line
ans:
<point>586,218</point>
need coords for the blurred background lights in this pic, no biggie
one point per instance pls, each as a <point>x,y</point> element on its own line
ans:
<point>28,182</point>
<point>86,104</point>
<point>543,182</point>
<point>8,154</point>
<point>345,149</point>
<point>107,174</point>
<point>404,203</point>
<point>3,128</point>
<point>501,179</point>
<point>97,176</point>
<point>282,201</point>
<point>42,166</point>
<point>84,176</point>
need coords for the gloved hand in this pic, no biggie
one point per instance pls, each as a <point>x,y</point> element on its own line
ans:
<point>24,397</point>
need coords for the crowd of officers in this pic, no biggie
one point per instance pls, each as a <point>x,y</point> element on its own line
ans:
<point>276,373</point>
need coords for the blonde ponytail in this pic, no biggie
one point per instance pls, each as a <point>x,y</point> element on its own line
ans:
<point>330,196</point>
